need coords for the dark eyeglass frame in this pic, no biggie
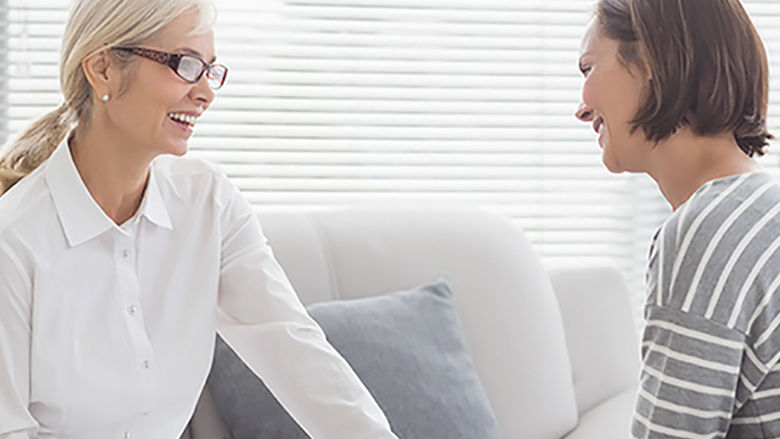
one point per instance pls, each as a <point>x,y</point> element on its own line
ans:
<point>173,60</point>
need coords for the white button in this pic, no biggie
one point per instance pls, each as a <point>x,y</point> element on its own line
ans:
<point>132,309</point>
<point>126,435</point>
<point>147,364</point>
<point>125,254</point>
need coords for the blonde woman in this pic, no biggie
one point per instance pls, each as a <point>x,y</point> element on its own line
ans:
<point>117,265</point>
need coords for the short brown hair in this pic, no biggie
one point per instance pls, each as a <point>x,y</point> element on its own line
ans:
<point>707,63</point>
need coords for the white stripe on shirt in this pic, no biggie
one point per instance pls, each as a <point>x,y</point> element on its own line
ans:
<point>735,254</point>
<point>705,259</point>
<point>749,281</point>
<point>686,385</point>
<point>692,333</point>
<point>681,408</point>
<point>670,431</point>
<point>690,359</point>
<point>767,297</point>
<point>695,227</point>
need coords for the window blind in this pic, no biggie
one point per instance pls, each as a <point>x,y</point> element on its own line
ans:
<point>366,101</point>
<point>344,102</point>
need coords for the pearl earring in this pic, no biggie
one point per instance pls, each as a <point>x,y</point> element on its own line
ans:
<point>105,97</point>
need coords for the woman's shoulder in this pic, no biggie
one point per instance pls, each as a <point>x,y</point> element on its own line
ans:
<point>731,205</point>
<point>191,177</point>
<point>706,251</point>
<point>24,204</point>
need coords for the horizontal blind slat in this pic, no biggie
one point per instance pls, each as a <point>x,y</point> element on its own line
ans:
<point>338,102</point>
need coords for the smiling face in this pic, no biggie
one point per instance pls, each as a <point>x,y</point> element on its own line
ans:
<point>157,110</point>
<point>611,95</point>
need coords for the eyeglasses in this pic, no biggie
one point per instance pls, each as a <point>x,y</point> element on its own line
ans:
<point>188,67</point>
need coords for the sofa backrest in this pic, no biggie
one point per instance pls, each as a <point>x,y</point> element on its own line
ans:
<point>504,297</point>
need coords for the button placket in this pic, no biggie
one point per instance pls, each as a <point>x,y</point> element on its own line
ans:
<point>129,295</point>
<point>127,273</point>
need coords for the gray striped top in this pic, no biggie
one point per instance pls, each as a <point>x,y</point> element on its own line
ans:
<point>711,343</point>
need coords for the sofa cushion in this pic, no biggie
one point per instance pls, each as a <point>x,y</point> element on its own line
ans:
<point>504,298</point>
<point>408,349</point>
<point>611,419</point>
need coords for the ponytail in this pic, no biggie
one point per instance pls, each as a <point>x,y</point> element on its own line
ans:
<point>34,145</point>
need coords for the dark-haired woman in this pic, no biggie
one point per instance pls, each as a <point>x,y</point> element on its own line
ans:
<point>678,89</point>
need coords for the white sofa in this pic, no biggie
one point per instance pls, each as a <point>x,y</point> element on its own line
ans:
<point>556,350</point>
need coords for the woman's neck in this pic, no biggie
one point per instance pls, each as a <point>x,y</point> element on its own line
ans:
<point>115,173</point>
<point>683,163</point>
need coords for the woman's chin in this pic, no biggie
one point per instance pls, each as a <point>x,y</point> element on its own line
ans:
<point>179,152</point>
<point>176,148</point>
<point>611,164</point>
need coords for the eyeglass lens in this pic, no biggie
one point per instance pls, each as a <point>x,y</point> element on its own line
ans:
<point>190,68</point>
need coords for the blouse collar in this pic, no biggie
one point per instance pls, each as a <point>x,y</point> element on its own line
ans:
<point>81,217</point>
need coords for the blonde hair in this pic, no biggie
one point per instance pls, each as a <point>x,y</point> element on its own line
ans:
<point>92,26</point>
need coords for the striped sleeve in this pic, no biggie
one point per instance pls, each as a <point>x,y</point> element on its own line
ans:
<point>693,376</point>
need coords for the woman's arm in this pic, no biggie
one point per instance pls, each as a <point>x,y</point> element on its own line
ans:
<point>690,385</point>
<point>261,317</point>
<point>16,422</point>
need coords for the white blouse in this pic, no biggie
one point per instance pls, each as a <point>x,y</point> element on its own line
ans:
<point>108,332</point>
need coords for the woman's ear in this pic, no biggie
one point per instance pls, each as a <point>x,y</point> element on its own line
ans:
<point>647,72</point>
<point>100,72</point>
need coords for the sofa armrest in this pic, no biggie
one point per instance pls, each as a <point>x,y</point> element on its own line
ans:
<point>600,332</point>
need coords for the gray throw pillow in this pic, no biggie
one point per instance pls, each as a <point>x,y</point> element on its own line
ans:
<point>406,347</point>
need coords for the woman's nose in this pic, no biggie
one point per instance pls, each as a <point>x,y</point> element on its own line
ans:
<point>584,113</point>
<point>202,93</point>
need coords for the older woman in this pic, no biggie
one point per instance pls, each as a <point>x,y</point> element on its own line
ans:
<point>116,269</point>
<point>678,89</point>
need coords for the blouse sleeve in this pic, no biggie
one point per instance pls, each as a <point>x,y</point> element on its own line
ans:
<point>690,384</point>
<point>16,422</point>
<point>260,317</point>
